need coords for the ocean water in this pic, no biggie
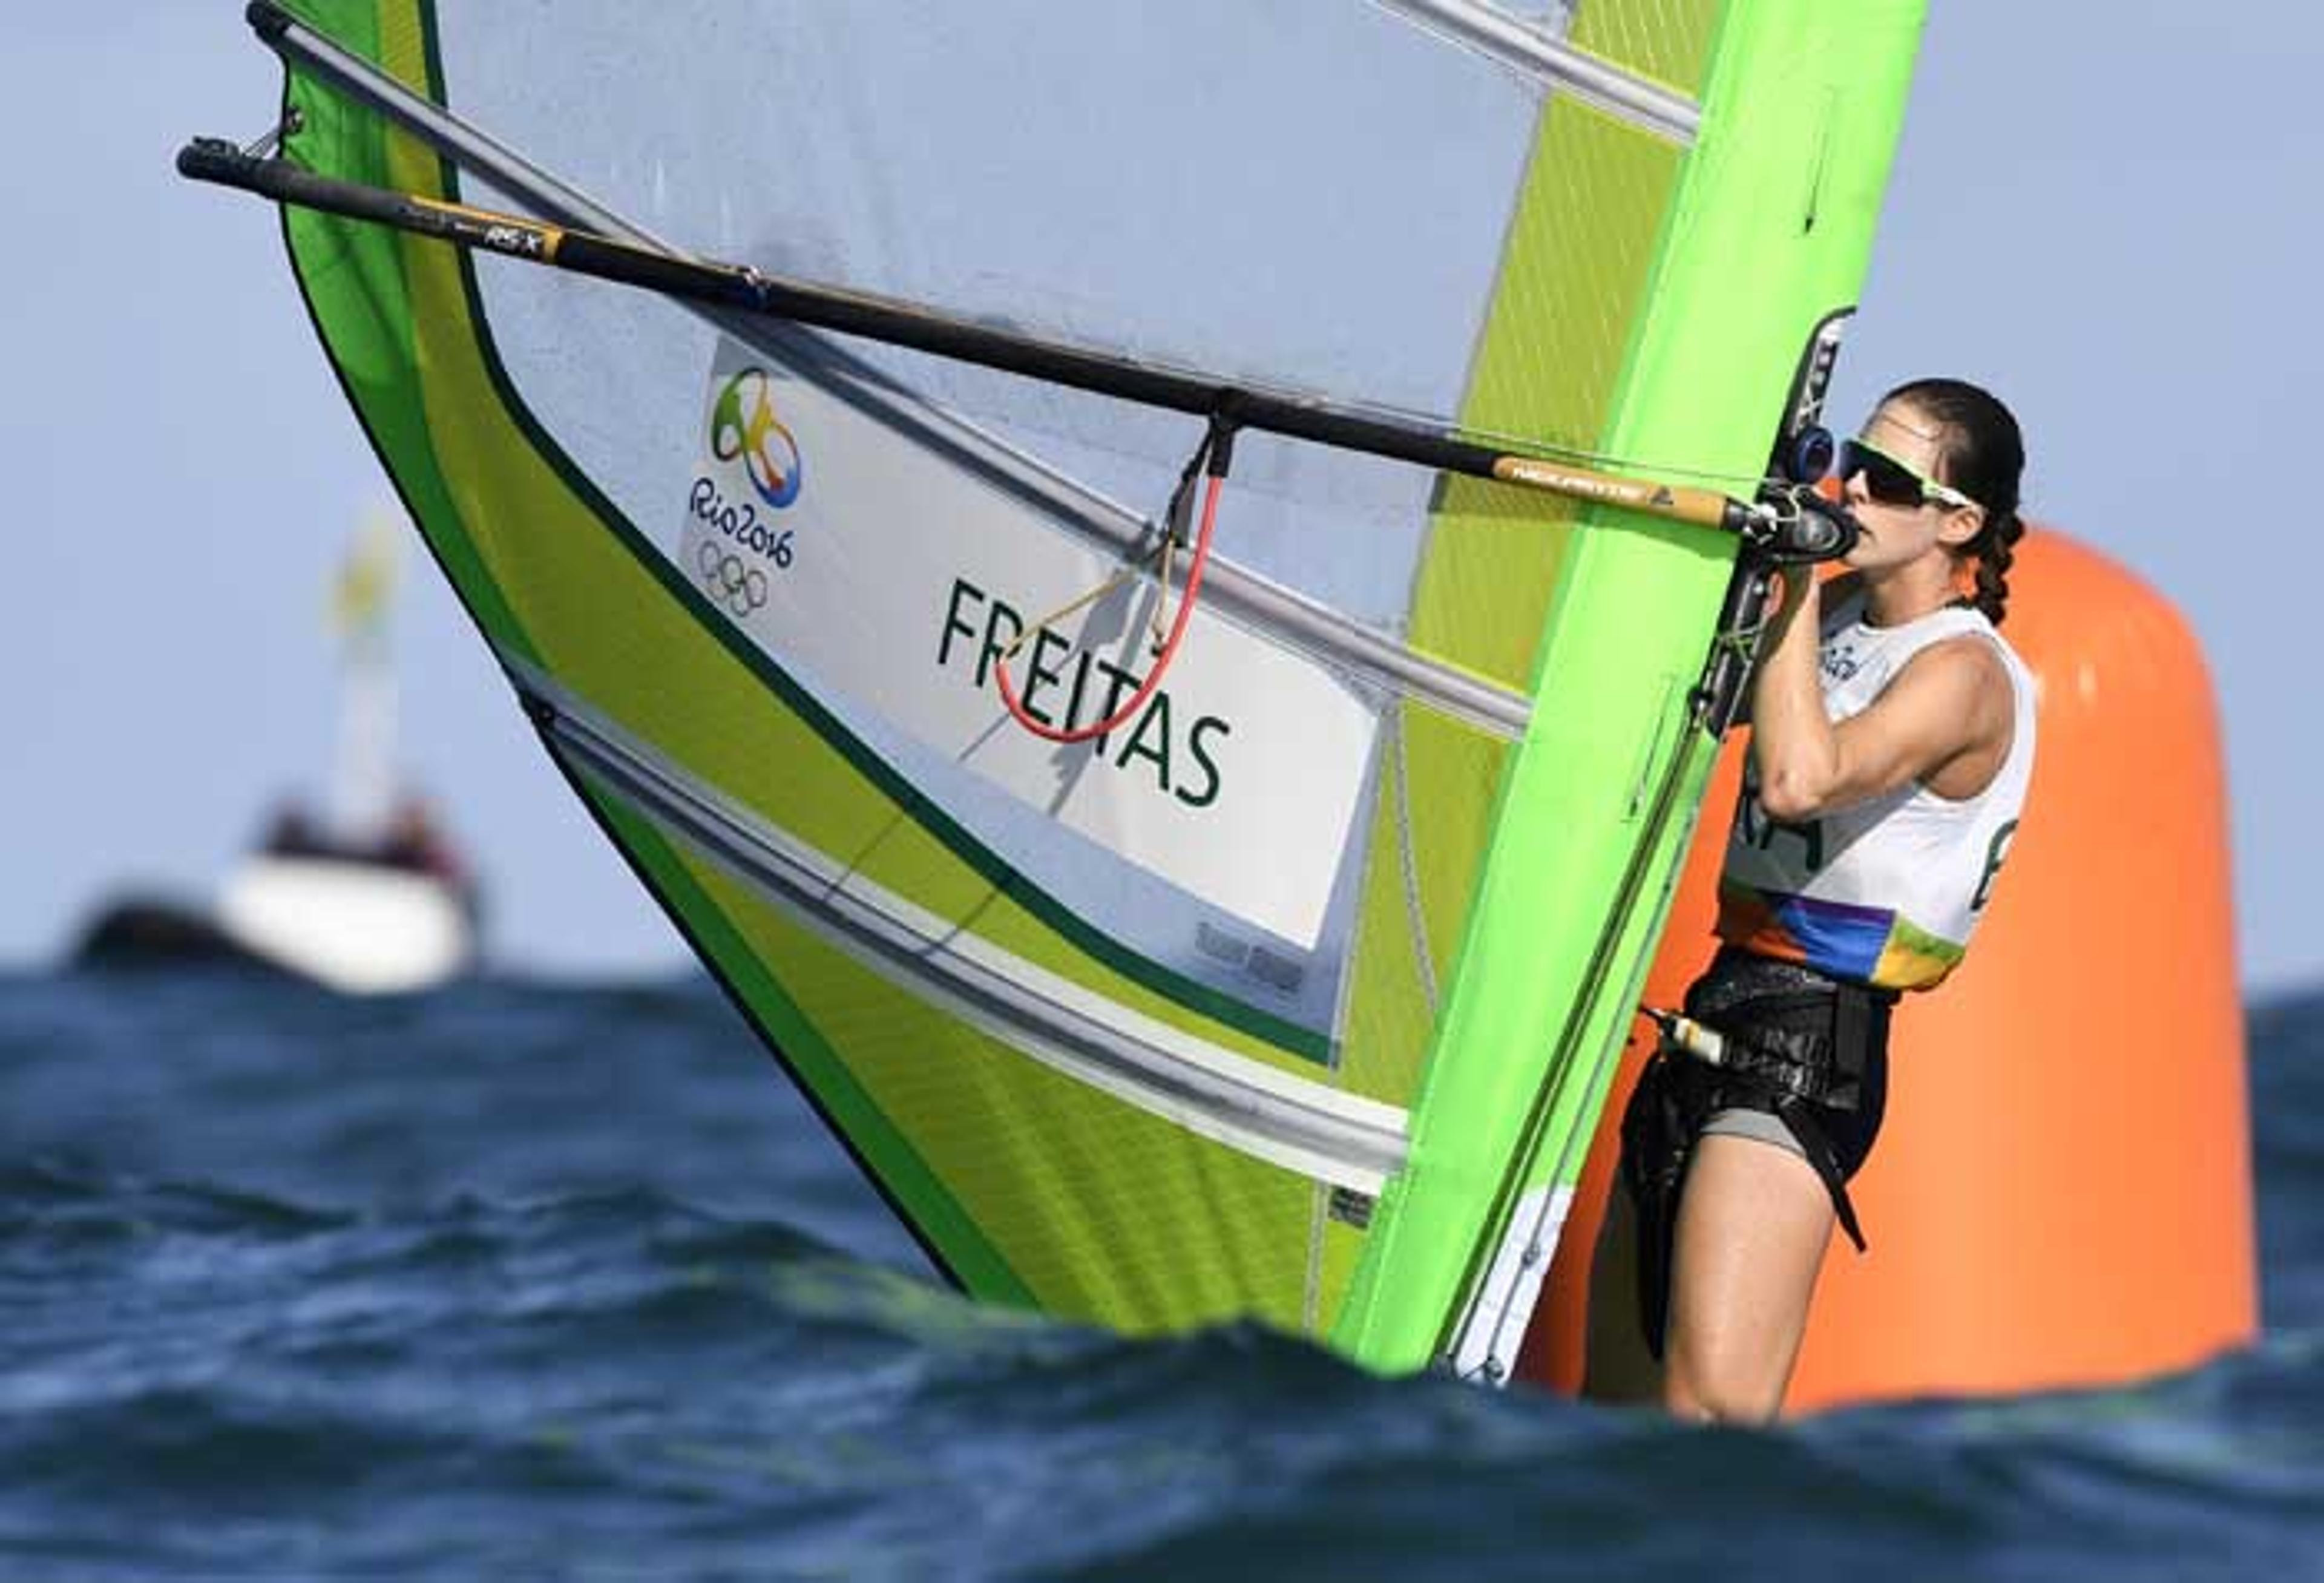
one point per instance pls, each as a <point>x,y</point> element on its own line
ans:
<point>561,1281</point>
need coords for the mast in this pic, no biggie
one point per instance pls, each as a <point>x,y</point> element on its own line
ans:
<point>1768,239</point>
<point>362,785</point>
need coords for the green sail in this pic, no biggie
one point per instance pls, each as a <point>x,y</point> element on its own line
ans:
<point>1289,1000</point>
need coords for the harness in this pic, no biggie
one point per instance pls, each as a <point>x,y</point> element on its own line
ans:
<point>1760,1035</point>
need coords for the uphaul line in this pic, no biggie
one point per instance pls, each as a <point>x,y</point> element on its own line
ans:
<point>1155,739</point>
<point>1811,532</point>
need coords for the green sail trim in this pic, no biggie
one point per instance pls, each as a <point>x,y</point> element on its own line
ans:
<point>357,294</point>
<point>1771,233</point>
<point>951,1236</point>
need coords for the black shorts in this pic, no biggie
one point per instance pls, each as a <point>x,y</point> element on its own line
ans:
<point>1724,997</point>
<point>1776,1007</point>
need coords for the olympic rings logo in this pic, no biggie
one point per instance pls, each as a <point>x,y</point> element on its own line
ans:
<point>743,424</point>
<point>744,588</point>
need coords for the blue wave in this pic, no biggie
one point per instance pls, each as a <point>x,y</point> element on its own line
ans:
<point>558,1281</point>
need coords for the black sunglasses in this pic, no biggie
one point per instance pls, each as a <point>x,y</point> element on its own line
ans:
<point>1890,482</point>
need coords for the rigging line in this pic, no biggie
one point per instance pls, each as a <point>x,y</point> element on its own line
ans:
<point>1577,1015</point>
<point>1155,637</point>
<point>1311,1301</point>
<point>1715,703</point>
<point>1213,457</point>
<point>910,325</point>
<point>293,121</point>
<point>1416,913</point>
<point>1163,661</point>
<point>1121,575</point>
<point>1174,526</point>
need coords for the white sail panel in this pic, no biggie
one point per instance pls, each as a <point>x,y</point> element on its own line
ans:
<point>892,578</point>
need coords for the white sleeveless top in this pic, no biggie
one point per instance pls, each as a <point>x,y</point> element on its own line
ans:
<point>1888,891</point>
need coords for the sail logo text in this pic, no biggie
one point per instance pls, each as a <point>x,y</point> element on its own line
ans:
<point>739,520</point>
<point>1614,491</point>
<point>744,426</point>
<point>1050,673</point>
<point>519,241</point>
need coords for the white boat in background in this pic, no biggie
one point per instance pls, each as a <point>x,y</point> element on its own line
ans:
<point>359,923</point>
<point>372,899</point>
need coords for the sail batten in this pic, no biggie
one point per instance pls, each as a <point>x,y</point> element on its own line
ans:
<point>1326,1134</point>
<point>1528,49</point>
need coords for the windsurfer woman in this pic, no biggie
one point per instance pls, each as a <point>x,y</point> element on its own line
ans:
<point>1892,743</point>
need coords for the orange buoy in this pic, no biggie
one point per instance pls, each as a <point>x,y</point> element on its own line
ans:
<point>2061,1194</point>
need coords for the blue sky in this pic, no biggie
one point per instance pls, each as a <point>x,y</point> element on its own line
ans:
<point>2109,224</point>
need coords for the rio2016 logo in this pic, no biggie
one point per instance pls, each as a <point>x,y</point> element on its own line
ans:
<point>743,424</point>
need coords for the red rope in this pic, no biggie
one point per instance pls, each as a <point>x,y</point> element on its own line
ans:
<point>1115,720</point>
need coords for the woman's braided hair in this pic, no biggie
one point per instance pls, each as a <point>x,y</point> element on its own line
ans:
<point>1981,453</point>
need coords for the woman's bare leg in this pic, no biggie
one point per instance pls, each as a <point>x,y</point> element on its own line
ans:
<point>1753,1223</point>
